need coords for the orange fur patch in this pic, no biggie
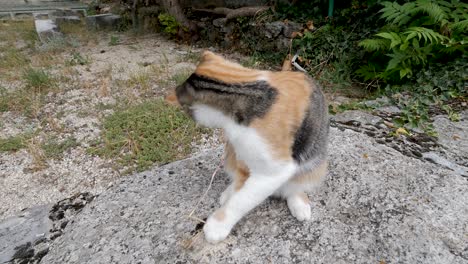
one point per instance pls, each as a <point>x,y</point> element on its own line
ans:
<point>220,215</point>
<point>304,198</point>
<point>280,124</point>
<point>216,67</point>
<point>237,167</point>
<point>287,66</point>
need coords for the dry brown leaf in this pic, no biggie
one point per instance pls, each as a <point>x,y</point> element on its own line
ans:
<point>296,34</point>
<point>310,25</point>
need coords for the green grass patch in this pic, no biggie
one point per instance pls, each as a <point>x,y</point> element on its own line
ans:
<point>38,79</point>
<point>14,143</point>
<point>21,101</point>
<point>54,148</point>
<point>148,133</point>
<point>12,58</point>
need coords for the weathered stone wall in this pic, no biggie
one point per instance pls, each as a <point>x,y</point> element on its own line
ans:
<point>249,36</point>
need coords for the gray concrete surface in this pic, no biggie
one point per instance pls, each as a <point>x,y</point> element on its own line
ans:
<point>19,233</point>
<point>376,206</point>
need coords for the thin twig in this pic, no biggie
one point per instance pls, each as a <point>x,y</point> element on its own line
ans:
<point>204,195</point>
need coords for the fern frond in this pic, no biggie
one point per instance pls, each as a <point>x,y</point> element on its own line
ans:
<point>460,26</point>
<point>426,33</point>
<point>395,13</point>
<point>432,9</point>
<point>375,44</point>
<point>368,72</point>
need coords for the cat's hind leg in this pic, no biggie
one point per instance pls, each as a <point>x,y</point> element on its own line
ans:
<point>295,190</point>
<point>299,206</point>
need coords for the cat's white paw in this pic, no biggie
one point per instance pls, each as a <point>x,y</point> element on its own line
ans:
<point>299,207</point>
<point>226,194</point>
<point>216,230</point>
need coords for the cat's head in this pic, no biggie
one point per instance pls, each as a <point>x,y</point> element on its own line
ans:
<point>211,66</point>
<point>224,87</point>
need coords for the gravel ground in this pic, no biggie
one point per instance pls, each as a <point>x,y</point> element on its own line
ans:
<point>76,112</point>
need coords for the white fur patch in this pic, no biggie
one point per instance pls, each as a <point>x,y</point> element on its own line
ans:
<point>299,208</point>
<point>266,173</point>
<point>209,116</point>
<point>263,77</point>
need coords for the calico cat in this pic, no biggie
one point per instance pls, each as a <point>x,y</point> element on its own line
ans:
<point>276,126</point>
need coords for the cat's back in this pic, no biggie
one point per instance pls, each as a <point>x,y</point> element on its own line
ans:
<point>298,118</point>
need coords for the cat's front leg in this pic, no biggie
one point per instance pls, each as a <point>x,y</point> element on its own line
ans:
<point>226,194</point>
<point>255,190</point>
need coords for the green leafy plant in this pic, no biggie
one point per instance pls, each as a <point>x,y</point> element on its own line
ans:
<point>114,40</point>
<point>169,23</point>
<point>419,32</point>
<point>78,59</point>
<point>430,88</point>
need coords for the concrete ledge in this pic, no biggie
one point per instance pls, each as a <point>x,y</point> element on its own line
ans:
<point>376,206</point>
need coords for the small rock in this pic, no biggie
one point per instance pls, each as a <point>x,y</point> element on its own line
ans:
<point>389,109</point>
<point>219,22</point>
<point>356,115</point>
<point>290,27</point>
<point>273,29</point>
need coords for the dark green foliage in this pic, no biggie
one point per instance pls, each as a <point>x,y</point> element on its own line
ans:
<point>301,11</point>
<point>152,132</point>
<point>330,53</point>
<point>430,88</point>
<point>415,49</point>
<point>419,32</point>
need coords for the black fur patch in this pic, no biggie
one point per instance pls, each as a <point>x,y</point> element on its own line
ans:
<point>242,101</point>
<point>311,137</point>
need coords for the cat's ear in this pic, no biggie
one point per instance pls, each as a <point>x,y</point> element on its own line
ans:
<point>287,66</point>
<point>208,55</point>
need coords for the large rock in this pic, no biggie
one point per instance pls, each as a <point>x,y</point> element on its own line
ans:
<point>453,136</point>
<point>19,234</point>
<point>46,29</point>
<point>376,206</point>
